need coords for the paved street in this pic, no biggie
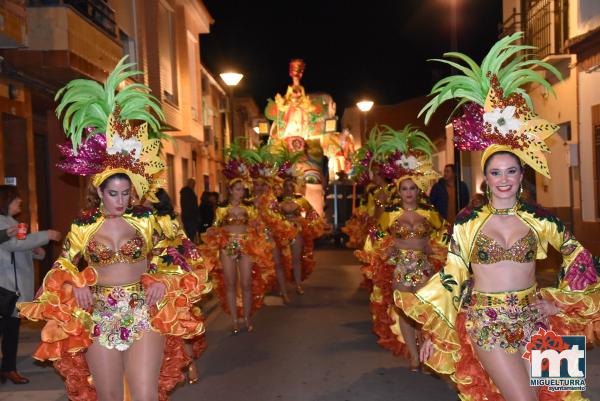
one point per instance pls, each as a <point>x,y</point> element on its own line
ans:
<point>319,349</point>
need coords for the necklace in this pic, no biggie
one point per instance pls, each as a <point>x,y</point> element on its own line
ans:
<point>410,209</point>
<point>504,212</point>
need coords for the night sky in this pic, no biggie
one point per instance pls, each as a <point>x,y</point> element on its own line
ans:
<point>376,49</point>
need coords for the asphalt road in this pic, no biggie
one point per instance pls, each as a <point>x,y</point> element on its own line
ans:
<point>320,348</point>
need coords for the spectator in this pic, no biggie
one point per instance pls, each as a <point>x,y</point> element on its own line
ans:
<point>7,233</point>
<point>20,254</point>
<point>443,194</point>
<point>208,206</point>
<point>189,209</point>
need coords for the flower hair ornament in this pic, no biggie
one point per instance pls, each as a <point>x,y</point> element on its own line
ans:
<point>497,112</point>
<point>406,154</point>
<point>104,139</point>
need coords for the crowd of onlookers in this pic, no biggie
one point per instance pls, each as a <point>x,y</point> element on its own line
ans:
<point>197,217</point>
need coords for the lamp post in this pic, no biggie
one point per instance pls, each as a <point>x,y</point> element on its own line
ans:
<point>454,48</point>
<point>231,79</point>
<point>364,106</point>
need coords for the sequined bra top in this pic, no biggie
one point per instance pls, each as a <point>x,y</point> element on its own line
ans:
<point>132,251</point>
<point>233,220</point>
<point>418,231</point>
<point>488,251</point>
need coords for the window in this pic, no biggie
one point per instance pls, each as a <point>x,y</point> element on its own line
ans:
<point>193,59</point>
<point>194,164</point>
<point>129,48</point>
<point>171,176</point>
<point>597,166</point>
<point>167,54</point>
<point>184,170</point>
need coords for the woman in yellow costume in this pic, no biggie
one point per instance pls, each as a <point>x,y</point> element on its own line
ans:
<point>126,313</point>
<point>358,226</point>
<point>482,309</point>
<point>411,238</point>
<point>264,175</point>
<point>167,219</point>
<point>237,248</point>
<point>307,222</point>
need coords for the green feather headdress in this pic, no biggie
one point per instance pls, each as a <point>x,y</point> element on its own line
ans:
<point>406,154</point>
<point>497,110</point>
<point>87,105</point>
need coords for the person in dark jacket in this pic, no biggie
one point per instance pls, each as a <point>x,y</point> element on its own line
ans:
<point>443,194</point>
<point>189,209</point>
<point>208,205</point>
<point>7,233</point>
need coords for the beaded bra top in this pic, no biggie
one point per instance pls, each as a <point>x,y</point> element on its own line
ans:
<point>234,219</point>
<point>488,251</point>
<point>418,231</point>
<point>99,254</point>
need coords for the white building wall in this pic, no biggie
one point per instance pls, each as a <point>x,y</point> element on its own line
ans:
<point>561,109</point>
<point>589,95</point>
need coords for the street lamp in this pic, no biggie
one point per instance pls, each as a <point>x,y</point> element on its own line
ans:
<point>364,106</point>
<point>231,79</point>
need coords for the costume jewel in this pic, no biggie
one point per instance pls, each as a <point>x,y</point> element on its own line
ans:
<point>497,113</point>
<point>504,212</point>
<point>103,140</point>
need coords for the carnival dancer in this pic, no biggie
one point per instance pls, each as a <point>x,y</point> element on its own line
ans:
<point>411,238</point>
<point>237,246</point>
<point>481,310</point>
<point>126,313</point>
<point>177,238</point>
<point>359,224</point>
<point>308,224</point>
<point>264,175</point>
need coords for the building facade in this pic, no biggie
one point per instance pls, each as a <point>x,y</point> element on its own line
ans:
<point>567,35</point>
<point>46,43</point>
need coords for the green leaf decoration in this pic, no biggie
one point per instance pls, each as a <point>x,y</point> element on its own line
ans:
<point>87,104</point>
<point>406,140</point>
<point>511,63</point>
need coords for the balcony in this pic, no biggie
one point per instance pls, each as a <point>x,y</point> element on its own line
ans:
<point>545,23</point>
<point>13,24</point>
<point>68,39</point>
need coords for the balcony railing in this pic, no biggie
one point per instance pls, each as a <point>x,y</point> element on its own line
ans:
<point>545,23</point>
<point>96,11</point>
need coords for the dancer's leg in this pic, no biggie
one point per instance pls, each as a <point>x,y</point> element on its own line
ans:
<point>508,373</point>
<point>297,248</point>
<point>230,275</point>
<point>246,282</point>
<point>142,366</point>
<point>107,367</point>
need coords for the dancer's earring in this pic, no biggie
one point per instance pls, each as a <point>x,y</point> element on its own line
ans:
<point>488,193</point>
<point>520,193</point>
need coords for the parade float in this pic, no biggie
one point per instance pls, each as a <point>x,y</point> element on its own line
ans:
<point>307,124</point>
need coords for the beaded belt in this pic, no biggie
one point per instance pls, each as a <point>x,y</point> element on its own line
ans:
<point>520,298</point>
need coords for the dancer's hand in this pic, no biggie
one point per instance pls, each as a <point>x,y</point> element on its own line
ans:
<point>426,350</point>
<point>546,308</point>
<point>83,296</point>
<point>155,293</point>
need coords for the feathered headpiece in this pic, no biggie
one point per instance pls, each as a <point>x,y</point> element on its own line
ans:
<point>103,140</point>
<point>261,163</point>
<point>285,162</point>
<point>407,154</point>
<point>236,168</point>
<point>362,160</point>
<point>498,112</point>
